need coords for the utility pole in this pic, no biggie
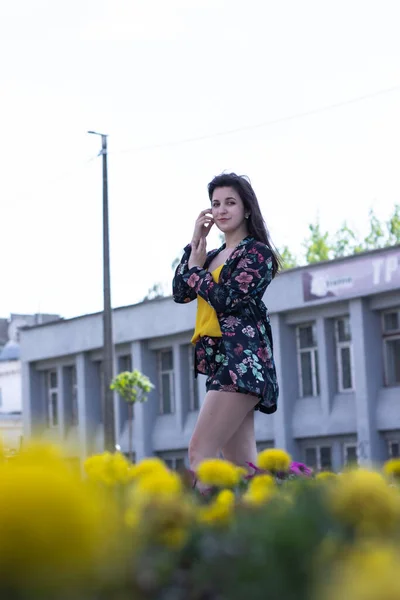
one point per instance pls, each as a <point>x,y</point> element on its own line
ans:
<point>108,349</point>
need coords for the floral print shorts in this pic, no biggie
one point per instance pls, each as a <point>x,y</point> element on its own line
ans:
<point>211,360</point>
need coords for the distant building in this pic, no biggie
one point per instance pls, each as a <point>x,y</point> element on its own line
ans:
<point>10,376</point>
<point>336,328</point>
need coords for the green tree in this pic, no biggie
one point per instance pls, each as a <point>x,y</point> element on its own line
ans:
<point>132,387</point>
<point>317,245</point>
<point>345,242</point>
<point>289,261</point>
<point>393,227</point>
<point>376,236</point>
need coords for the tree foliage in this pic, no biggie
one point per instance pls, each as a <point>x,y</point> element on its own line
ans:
<point>320,245</point>
<point>132,386</point>
<point>345,242</point>
<point>317,246</point>
<point>376,236</point>
<point>289,261</point>
<point>393,227</point>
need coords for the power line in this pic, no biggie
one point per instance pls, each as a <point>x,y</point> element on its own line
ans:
<point>83,164</point>
<point>67,174</point>
<point>300,115</point>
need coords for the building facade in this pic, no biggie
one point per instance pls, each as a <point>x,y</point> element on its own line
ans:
<point>336,328</point>
<point>10,377</point>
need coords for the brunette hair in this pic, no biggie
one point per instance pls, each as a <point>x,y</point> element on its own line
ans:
<point>256,224</point>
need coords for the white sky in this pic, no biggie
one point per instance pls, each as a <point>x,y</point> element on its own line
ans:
<point>151,72</point>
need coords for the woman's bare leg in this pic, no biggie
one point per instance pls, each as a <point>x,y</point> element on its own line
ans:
<point>241,448</point>
<point>221,415</point>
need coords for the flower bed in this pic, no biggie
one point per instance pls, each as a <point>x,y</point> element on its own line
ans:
<point>141,532</point>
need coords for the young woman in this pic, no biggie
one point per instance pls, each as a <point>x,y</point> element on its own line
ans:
<point>232,337</point>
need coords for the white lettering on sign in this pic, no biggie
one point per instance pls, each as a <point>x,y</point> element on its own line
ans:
<point>392,264</point>
<point>386,267</point>
<point>376,268</point>
<point>367,274</point>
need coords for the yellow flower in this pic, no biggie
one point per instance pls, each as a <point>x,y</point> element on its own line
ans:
<point>147,466</point>
<point>391,468</point>
<point>108,469</point>
<point>260,489</point>
<point>366,573</point>
<point>2,451</point>
<point>133,517</point>
<point>220,473</point>
<point>220,511</point>
<point>43,453</point>
<point>158,486</point>
<point>54,531</point>
<point>274,460</point>
<point>364,500</point>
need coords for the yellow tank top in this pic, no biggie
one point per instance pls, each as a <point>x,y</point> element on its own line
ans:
<point>206,318</point>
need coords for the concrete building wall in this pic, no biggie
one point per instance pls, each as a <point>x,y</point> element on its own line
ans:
<point>336,402</point>
<point>10,386</point>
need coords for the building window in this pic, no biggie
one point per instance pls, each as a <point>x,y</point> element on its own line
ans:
<point>264,446</point>
<point>125,363</point>
<point>193,389</point>
<point>307,360</point>
<point>344,354</point>
<point>166,381</point>
<point>394,449</point>
<point>319,458</point>
<point>350,454</point>
<point>391,340</point>
<point>74,397</point>
<point>175,464</point>
<point>52,398</point>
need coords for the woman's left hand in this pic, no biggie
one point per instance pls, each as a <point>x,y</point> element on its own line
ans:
<point>198,253</point>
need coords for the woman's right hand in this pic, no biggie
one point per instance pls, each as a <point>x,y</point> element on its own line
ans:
<point>202,227</point>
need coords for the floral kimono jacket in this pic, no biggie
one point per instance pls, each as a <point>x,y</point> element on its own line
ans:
<point>244,322</point>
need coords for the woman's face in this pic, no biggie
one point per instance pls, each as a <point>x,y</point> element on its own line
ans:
<point>227,209</point>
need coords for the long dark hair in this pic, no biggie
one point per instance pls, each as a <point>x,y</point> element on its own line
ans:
<point>256,224</point>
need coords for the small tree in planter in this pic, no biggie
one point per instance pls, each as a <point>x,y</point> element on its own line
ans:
<point>133,387</point>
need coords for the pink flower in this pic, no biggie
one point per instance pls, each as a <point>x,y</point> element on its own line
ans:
<point>231,321</point>
<point>244,277</point>
<point>193,279</point>
<point>244,263</point>
<point>298,468</point>
<point>201,367</point>
<point>260,257</point>
<point>263,354</point>
<point>233,377</point>
<point>256,469</point>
